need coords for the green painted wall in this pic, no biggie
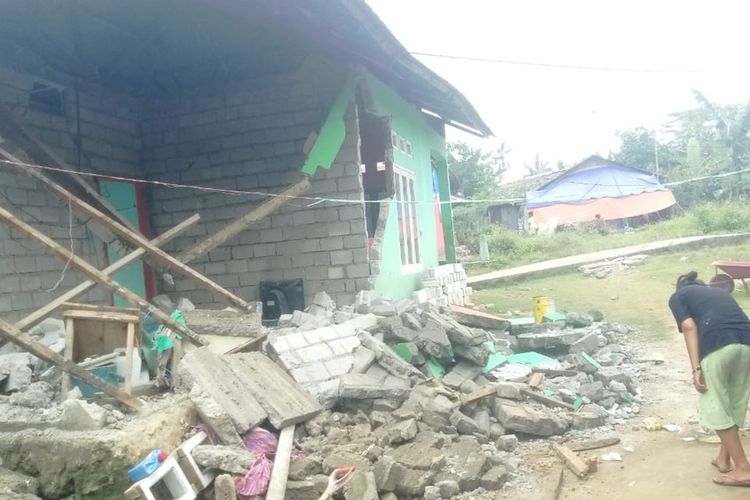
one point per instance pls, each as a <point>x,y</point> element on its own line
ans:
<point>410,123</point>
<point>121,195</point>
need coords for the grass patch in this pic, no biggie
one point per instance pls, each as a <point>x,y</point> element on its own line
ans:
<point>637,297</point>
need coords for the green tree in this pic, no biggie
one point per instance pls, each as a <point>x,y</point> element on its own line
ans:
<point>539,167</point>
<point>475,173</point>
<point>640,149</point>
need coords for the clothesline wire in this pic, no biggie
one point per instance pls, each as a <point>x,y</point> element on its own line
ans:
<point>315,200</point>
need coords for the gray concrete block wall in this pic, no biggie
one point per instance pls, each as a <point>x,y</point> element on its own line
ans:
<point>251,138</point>
<point>110,143</point>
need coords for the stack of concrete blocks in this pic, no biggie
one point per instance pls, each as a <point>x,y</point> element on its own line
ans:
<point>444,286</point>
<point>323,360</point>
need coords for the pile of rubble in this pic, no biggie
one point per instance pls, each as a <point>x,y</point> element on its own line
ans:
<point>424,405</point>
<point>444,285</point>
<point>422,401</point>
<point>604,268</point>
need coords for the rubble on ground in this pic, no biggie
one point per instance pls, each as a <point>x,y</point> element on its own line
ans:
<point>605,268</point>
<point>423,400</point>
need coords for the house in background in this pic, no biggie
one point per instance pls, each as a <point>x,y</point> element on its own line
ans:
<point>599,187</point>
<point>236,97</point>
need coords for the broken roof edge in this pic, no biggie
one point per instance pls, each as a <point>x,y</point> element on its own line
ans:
<point>470,122</point>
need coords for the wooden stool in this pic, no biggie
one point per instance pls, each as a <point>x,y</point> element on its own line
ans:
<point>92,330</point>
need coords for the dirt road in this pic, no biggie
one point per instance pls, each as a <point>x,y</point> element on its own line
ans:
<point>662,464</point>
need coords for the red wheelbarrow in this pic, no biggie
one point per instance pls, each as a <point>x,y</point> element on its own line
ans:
<point>733,270</point>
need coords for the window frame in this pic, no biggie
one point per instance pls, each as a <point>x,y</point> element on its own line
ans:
<point>405,193</point>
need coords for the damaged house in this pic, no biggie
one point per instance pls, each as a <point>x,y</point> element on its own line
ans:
<point>168,109</point>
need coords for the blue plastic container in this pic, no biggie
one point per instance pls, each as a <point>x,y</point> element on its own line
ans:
<point>147,466</point>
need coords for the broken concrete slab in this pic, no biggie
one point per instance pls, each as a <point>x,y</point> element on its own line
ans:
<point>507,442</point>
<point>17,486</point>
<point>457,333</point>
<point>509,390</point>
<point>365,386</point>
<point>275,391</point>
<point>37,395</point>
<point>577,320</point>
<point>466,465</point>
<point>476,354</point>
<point>79,415</point>
<point>16,367</point>
<point>215,377</point>
<point>594,391</point>
<point>227,322</point>
<point>388,359</point>
<point>230,459</point>
<point>364,358</point>
<point>588,343</point>
<point>305,467</point>
<point>460,373</point>
<point>550,340</point>
<point>590,417</point>
<point>362,487</point>
<point>607,374</point>
<point>411,321</point>
<point>479,319</point>
<point>322,305</point>
<point>525,419</point>
<point>215,417</point>
<point>397,432</point>
<point>493,479</point>
<point>465,425</point>
<point>224,488</point>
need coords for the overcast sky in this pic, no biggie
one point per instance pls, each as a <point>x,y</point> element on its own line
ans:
<point>568,114</point>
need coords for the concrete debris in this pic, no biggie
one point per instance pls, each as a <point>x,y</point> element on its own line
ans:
<point>322,305</point>
<point>224,488</point>
<point>443,286</point>
<point>82,416</point>
<point>225,322</point>
<point>230,459</point>
<point>605,268</point>
<point>528,420</point>
<point>17,486</point>
<point>37,395</point>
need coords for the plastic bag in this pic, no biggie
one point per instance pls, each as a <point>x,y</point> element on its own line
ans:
<point>255,483</point>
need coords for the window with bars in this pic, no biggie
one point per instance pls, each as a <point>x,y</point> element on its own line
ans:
<point>408,229</point>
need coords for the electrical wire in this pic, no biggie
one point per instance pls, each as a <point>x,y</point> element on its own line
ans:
<point>315,200</point>
<point>554,65</point>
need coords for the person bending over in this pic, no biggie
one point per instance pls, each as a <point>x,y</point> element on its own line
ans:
<point>717,336</point>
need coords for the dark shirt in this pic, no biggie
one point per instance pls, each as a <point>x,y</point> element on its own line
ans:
<point>719,318</point>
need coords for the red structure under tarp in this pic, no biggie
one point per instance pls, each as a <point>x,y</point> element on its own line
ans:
<point>607,208</point>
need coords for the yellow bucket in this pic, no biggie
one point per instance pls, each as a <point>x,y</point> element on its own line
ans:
<point>542,306</point>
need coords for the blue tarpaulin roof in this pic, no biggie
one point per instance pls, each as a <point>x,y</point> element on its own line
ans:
<point>607,180</point>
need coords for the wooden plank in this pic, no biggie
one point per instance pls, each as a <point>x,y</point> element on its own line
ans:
<point>44,311</point>
<point>558,488</point>
<point>555,373</point>
<point>280,472</point>
<point>213,375</point>
<point>22,339</point>
<point>133,311</point>
<point>536,380</point>
<point>136,239</point>
<point>98,276</point>
<point>478,395</point>
<point>280,396</point>
<point>593,444</point>
<point>250,345</point>
<point>68,355</point>
<point>102,316</point>
<point>572,461</point>
<point>238,225</point>
<point>33,147</point>
<point>547,401</point>
<point>129,346</point>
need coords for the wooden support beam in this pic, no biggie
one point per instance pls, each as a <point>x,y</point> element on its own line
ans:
<point>574,463</point>
<point>238,225</point>
<point>555,373</point>
<point>12,130</point>
<point>547,401</point>
<point>98,276</point>
<point>136,239</point>
<point>44,311</point>
<point>280,472</point>
<point>478,395</point>
<point>21,339</point>
<point>593,444</point>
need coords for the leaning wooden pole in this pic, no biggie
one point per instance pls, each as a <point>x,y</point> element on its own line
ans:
<point>241,223</point>
<point>21,339</point>
<point>98,276</point>
<point>44,311</point>
<point>129,235</point>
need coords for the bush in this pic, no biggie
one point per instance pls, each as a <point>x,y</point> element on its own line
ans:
<point>723,217</point>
